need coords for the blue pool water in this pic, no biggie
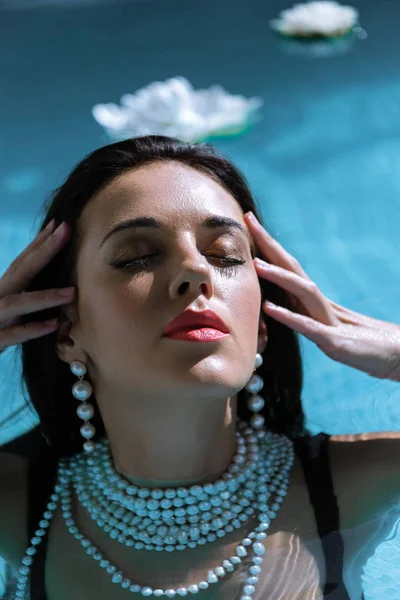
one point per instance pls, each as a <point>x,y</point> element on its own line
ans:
<point>324,162</point>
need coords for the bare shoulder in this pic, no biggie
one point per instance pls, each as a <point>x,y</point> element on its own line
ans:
<point>366,473</point>
<point>13,505</point>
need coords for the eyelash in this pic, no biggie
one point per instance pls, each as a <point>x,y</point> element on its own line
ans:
<point>230,264</point>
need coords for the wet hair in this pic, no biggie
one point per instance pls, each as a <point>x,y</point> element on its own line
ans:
<point>47,381</point>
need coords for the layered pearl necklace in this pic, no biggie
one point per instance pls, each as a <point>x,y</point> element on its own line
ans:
<point>173,519</point>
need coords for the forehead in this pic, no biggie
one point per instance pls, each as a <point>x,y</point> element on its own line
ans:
<point>166,188</point>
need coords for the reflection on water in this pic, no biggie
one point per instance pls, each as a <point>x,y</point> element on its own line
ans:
<point>380,578</point>
<point>318,48</point>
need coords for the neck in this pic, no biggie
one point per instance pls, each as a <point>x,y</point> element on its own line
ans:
<point>178,447</point>
<point>160,483</point>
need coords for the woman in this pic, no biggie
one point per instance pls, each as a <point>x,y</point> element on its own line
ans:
<point>193,445</point>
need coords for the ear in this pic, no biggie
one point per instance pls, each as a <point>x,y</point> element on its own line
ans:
<point>68,347</point>
<point>262,335</point>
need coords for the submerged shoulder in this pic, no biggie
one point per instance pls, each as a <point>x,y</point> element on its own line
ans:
<point>373,453</point>
<point>366,471</point>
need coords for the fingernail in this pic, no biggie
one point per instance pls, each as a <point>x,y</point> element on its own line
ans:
<point>268,303</point>
<point>261,263</point>
<point>49,225</point>
<point>59,230</point>
<point>66,292</point>
<point>252,217</point>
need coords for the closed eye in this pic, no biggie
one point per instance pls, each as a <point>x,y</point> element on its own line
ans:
<point>228,262</point>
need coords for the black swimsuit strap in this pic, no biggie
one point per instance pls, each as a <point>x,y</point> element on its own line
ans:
<point>41,480</point>
<point>313,454</point>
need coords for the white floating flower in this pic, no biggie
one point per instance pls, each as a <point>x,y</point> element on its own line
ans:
<point>316,19</point>
<point>175,109</point>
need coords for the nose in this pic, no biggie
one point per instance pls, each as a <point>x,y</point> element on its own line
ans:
<point>191,274</point>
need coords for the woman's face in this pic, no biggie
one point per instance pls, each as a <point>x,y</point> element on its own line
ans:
<point>122,312</point>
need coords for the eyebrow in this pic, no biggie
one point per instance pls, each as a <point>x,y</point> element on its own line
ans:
<point>212,222</point>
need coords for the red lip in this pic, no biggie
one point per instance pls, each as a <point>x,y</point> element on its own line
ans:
<point>194,320</point>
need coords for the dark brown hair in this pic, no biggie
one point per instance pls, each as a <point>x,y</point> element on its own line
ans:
<point>48,380</point>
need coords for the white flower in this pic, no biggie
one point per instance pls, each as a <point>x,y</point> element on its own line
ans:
<point>325,18</point>
<point>175,109</point>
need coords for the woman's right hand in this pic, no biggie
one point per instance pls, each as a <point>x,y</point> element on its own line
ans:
<point>14,302</point>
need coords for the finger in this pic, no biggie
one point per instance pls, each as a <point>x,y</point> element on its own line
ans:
<point>35,243</point>
<point>352,317</point>
<point>27,331</point>
<point>271,248</point>
<point>313,330</point>
<point>314,302</point>
<point>10,322</point>
<point>14,306</point>
<point>32,260</point>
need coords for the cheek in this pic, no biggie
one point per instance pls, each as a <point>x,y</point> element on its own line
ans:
<point>113,316</point>
<point>244,303</point>
<point>117,339</point>
<point>246,295</point>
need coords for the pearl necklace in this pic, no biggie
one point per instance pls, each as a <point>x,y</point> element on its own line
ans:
<point>173,518</point>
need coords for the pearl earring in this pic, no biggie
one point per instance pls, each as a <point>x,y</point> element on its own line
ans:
<point>255,402</point>
<point>85,411</point>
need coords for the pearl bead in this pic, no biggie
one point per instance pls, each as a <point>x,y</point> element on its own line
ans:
<point>82,390</point>
<point>87,431</point>
<point>241,551</point>
<point>257,421</point>
<point>259,548</point>
<point>89,446</point>
<point>256,403</point>
<point>203,585</point>
<point>78,368</point>
<point>255,569</point>
<point>259,360</point>
<point>85,411</point>
<point>249,589</point>
<point>228,566</point>
<point>255,384</point>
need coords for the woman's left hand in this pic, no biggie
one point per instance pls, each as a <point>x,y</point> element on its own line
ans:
<point>367,344</point>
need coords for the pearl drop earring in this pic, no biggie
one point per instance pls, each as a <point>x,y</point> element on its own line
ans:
<point>83,390</point>
<point>255,402</point>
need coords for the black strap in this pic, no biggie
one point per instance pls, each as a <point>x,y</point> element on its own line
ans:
<point>313,454</point>
<point>41,480</point>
